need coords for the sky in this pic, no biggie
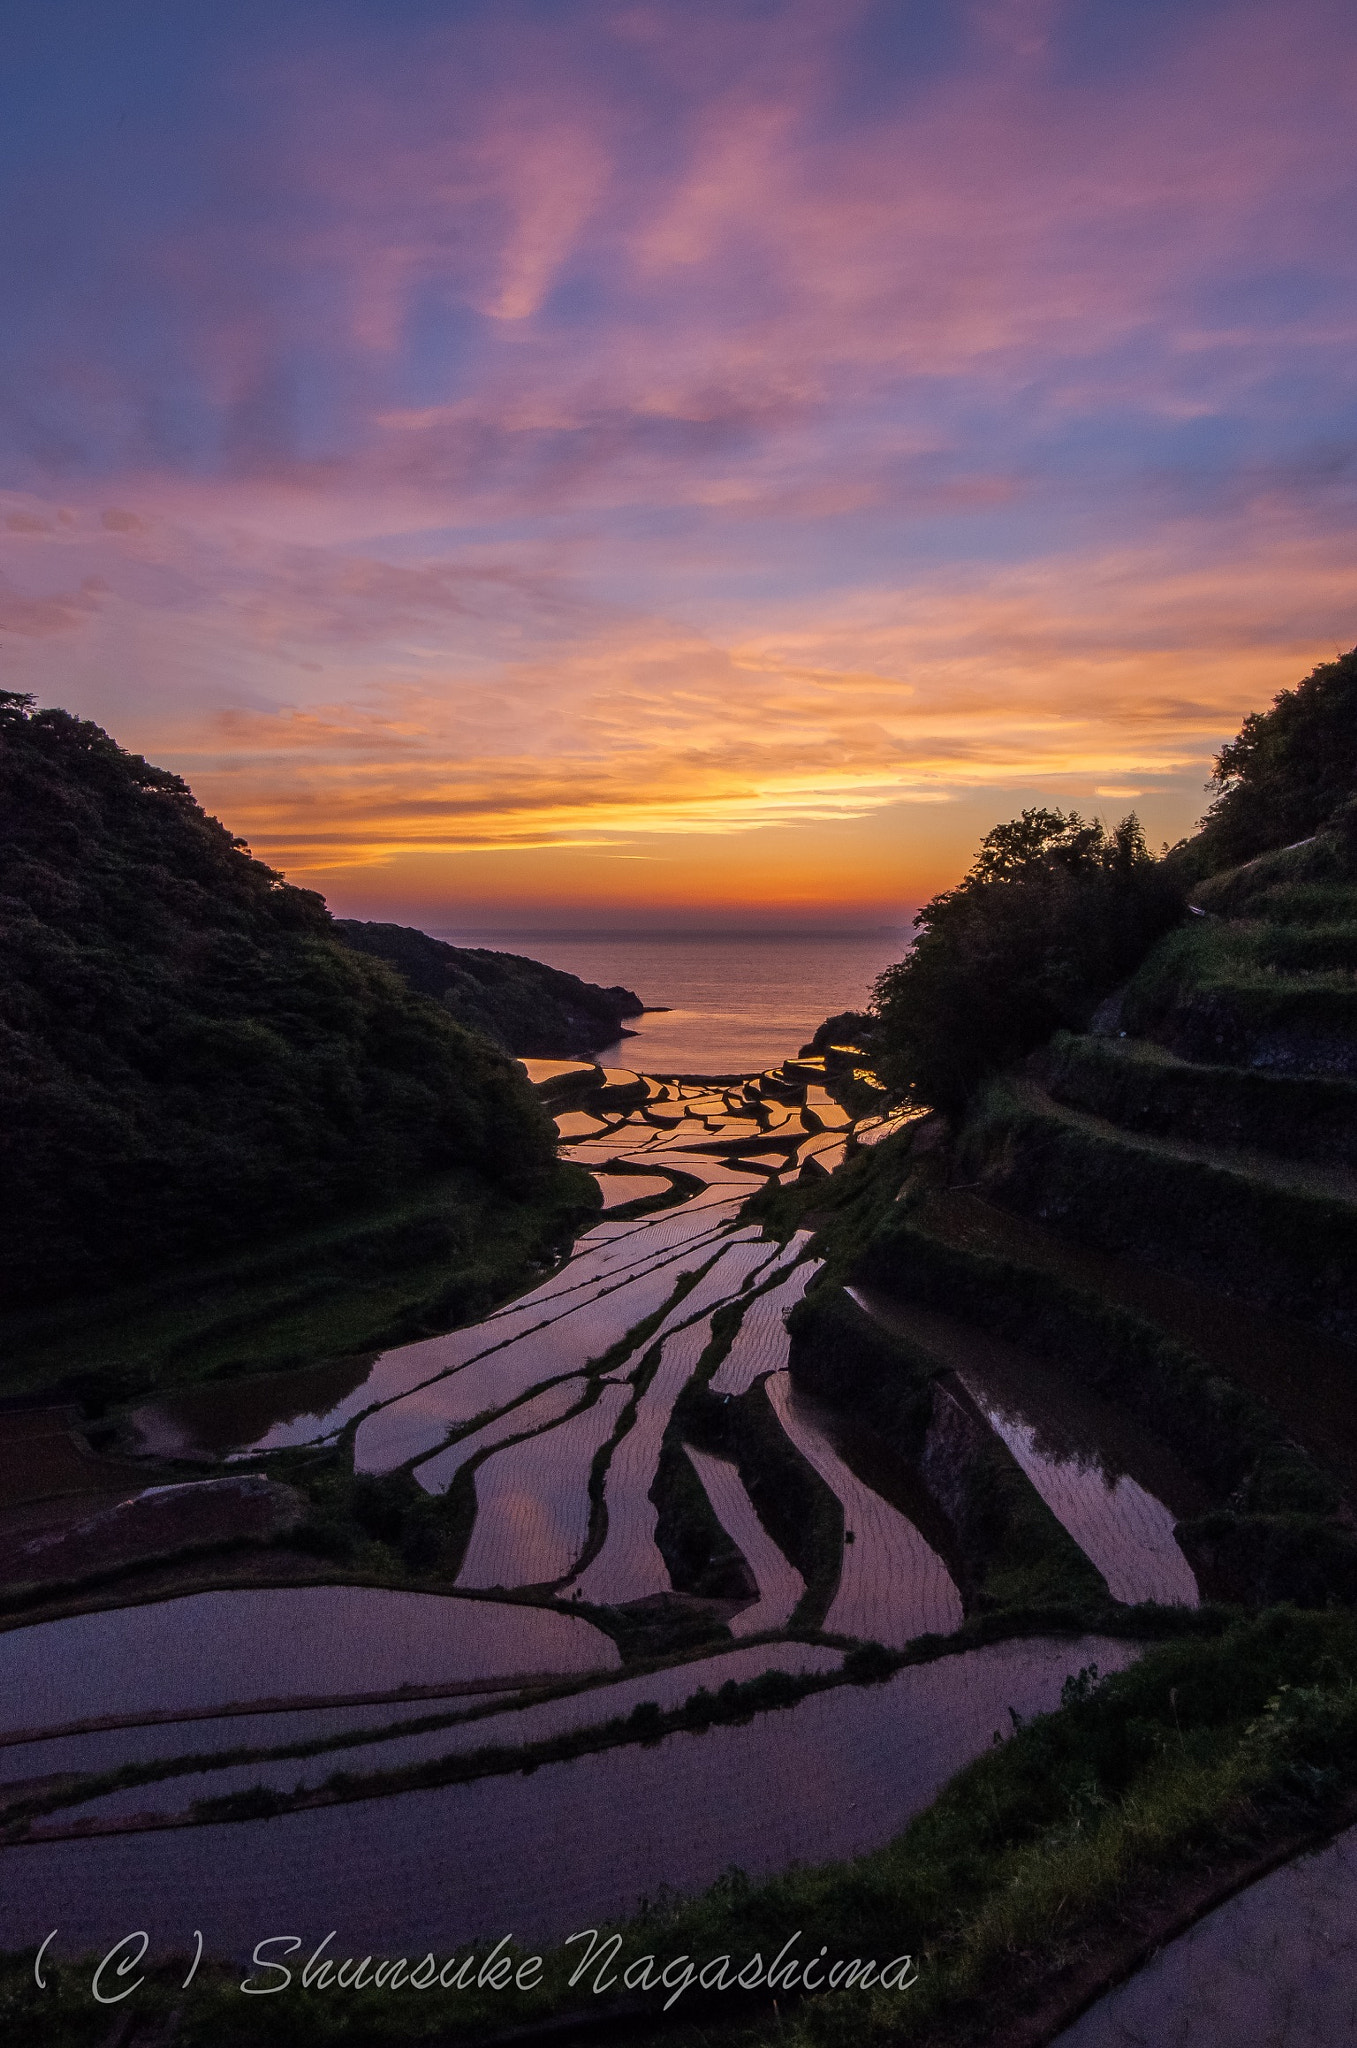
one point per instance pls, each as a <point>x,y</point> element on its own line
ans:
<point>553,463</point>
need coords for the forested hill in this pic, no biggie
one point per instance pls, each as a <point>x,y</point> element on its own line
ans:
<point>189,1054</point>
<point>524,1006</point>
<point>1056,913</point>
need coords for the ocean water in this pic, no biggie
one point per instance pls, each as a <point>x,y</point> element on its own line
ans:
<point>734,1002</point>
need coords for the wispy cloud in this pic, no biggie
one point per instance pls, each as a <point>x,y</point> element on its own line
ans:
<point>625,422</point>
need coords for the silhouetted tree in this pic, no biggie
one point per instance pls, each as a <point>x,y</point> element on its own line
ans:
<point>1285,774</point>
<point>1053,914</point>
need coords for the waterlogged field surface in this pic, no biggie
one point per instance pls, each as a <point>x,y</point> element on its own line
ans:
<point>195,1733</point>
<point>564,1847</point>
<point>760,1343</point>
<point>532,1500</point>
<point>1115,1488</point>
<point>552,1405</point>
<point>1275,1967</point>
<point>617,1189</point>
<point>549,1417</point>
<point>780,1584</point>
<point>893,1585</point>
<point>211,1649</point>
<point>669,1688</point>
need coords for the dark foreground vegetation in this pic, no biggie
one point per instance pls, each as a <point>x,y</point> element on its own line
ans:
<point>528,1008</point>
<point>196,1069</point>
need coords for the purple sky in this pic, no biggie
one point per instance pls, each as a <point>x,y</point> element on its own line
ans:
<point>561,463</point>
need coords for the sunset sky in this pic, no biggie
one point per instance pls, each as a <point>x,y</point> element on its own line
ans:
<point>674,463</point>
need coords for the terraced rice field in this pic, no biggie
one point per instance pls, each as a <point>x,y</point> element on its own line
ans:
<point>217,1649</point>
<point>532,1499</point>
<point>475,1729</point>
<point>1126,1532</point>
<point>1275,1967</point>
<point>1116,1490</point>
<point>557,1407</point>
<point>541,1411</point>
<point>893,1585</point>
<point>840,1773</point>
<point>618,1189</point>
<point>760,1343</point>
<point>780,1584</point>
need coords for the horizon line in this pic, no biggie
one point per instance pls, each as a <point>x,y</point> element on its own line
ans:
<point>463,931</point>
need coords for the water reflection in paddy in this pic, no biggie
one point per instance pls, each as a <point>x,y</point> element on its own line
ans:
<point>1275,1967</point>
<point>780,1584</point>
<point>552,1405</point>
<point>571,1844</point>
<point>1116,1488</point>
<point>760,1345</point>
<point>532,1500</point>
<point>105,1749</point>
<point>208,1649</point>
<point>893,1585</point>
<point>308,1406</point>
<point>510,1729</point>
<point>420,1421</point>
<point>617,1189</point>
<point>214,1420</point>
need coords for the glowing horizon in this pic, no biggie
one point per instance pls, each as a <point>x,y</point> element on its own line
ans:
<point>542,464</point>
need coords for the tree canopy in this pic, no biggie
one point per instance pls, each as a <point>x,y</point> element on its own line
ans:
<point>521,1004</point>
<point>1052,915</point>
<point>189,1055</point>
<point>1285,773</point>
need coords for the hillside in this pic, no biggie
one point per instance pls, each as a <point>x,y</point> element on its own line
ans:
<point>190,1057</point>
<point>532,1010</point>
<point>1120,1238</point>
<point>1157,1198</point>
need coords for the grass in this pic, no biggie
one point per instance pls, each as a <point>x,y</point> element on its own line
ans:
<point>1143,1087</point>
<point>1215,991</point>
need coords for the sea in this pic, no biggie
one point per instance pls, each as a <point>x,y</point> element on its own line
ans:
<point>723,1002</point>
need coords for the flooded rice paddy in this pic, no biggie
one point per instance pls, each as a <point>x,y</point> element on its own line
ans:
<point>1116,1488</point>
<point>475,1729</point>
<point>893,1585</point>
<point>839,1773</point>
<point>532,1499</point>
<point>780,1584</point>
<point>549,1418</point>
<point>217,1649</point>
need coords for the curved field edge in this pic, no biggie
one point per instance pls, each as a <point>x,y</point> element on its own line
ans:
<point>734,1703</point>
<point>1039,1876</point>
